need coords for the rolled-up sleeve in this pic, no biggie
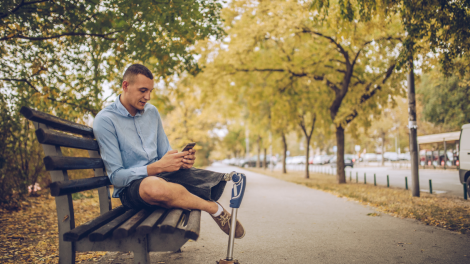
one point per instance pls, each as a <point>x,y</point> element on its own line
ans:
<point>106,135</point>
<point>163,143</point>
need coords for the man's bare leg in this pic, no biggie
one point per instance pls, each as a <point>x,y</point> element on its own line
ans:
<point>157,191</point>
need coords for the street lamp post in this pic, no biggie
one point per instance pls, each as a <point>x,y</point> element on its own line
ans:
<point>413,127</point>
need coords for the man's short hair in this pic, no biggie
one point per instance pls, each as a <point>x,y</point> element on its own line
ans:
<point>134,70</point>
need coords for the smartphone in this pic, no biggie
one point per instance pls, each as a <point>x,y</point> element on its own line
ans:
<point>189,146</point>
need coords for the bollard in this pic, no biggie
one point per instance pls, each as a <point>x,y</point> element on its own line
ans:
<point>365,181</point>
<point>375,181</point>
<point>350,177</point>
<point>430,186</point>
<point>388,182</point>
<point>406,183</point>
<point>465,191</point>
<point>357,177</point>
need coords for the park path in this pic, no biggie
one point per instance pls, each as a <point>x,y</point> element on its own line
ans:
<point>290,223</point>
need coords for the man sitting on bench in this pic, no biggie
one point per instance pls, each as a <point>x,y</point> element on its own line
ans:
<point>139,161</point>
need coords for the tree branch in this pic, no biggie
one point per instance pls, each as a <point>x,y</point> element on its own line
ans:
<point>289,84</point>
<point>369,42</point>
<point>302,74</point>
<point>332,86</point>
<point>340,48</point>
<point>366,96</point>
<point>21,80</point>
<point>62,35</point>
<point>93,111</point>
<point>282,49</point>
<point>3,15</point>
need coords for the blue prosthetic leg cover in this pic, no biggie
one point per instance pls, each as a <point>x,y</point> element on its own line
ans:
<point>238,189</point>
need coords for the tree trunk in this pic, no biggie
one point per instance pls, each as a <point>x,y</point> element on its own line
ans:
<point>340,175</point>
<point>258,163</point>
<point>284,153</point>
<point>265,164</point>
<point>307,172</point>
<point>383,149</point>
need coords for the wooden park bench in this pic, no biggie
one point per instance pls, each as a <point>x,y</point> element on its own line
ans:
<point>115,229</point>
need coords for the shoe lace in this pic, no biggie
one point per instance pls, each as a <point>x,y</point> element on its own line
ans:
<point>224,219</point>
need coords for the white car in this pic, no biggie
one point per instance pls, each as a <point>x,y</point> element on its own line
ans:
<point>464,156</point>
<point>296,160</point>
<point>370,157</point>
<point>392,156</point>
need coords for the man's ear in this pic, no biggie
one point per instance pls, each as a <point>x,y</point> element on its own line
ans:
<point>125,85</point>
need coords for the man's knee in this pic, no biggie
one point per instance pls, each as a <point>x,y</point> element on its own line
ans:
<point>156,191</point>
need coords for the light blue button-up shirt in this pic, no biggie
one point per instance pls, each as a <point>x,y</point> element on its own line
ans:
<point>129,143</point>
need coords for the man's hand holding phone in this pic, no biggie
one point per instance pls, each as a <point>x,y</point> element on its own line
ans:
<point>173,161</point>
<point>189,159</point>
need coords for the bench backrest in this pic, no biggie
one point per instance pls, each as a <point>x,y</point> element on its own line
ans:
<point>50,133</point>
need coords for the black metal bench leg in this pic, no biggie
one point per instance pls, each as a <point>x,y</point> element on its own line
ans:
<point>141,251</point>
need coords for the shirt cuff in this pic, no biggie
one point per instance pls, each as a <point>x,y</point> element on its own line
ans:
<point>138,171</point>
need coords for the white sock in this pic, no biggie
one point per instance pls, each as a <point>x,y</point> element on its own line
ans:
<point>219,210</point>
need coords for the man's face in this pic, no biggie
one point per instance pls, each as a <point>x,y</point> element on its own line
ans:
<point>136,93</point>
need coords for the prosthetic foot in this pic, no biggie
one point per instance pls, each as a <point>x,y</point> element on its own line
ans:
<point>238,190</point>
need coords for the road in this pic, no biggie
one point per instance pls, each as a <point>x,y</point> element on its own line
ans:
<point>290,223</point>
<point>443,181</point>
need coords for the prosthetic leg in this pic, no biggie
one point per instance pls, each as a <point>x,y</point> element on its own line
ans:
<point>238,190</point>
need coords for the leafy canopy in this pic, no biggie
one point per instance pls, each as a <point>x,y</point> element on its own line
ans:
<point>61,52</point>
<point>440,26</point>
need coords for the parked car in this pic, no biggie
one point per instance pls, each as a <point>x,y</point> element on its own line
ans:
<point>352,157</point>
<point>310,159</point>
<point>316,160</point>
<point>296,160</point>
<point>404,156</point>
<point>251,162</point>
<point>348,161</point>
<point>368,157</point>
<point>391,156</point>
<point>288,160</point>
<point>464,162</point>
<point>322,159</point>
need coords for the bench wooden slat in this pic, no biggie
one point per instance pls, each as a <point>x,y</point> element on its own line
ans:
<point>130,225</point>
<point>106,230</point>
<point>55,122</point>
<point>53,137</point>
<point>72,163</point>
<point>193,226</point>
<point>171,220</point>
<point>90,226</point>
<point>147,225</point>
<point>68,187</point>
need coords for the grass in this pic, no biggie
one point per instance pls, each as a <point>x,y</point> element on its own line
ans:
<point>448,212</point>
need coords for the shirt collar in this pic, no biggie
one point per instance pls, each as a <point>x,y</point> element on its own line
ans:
<point>123,111</point>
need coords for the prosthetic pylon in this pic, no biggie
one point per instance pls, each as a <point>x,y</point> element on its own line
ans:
<point>238,190</point>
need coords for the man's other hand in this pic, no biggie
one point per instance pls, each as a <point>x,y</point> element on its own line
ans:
<point>189,159</point>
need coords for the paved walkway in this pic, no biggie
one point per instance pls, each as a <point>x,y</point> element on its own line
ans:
<point>289,223</point>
